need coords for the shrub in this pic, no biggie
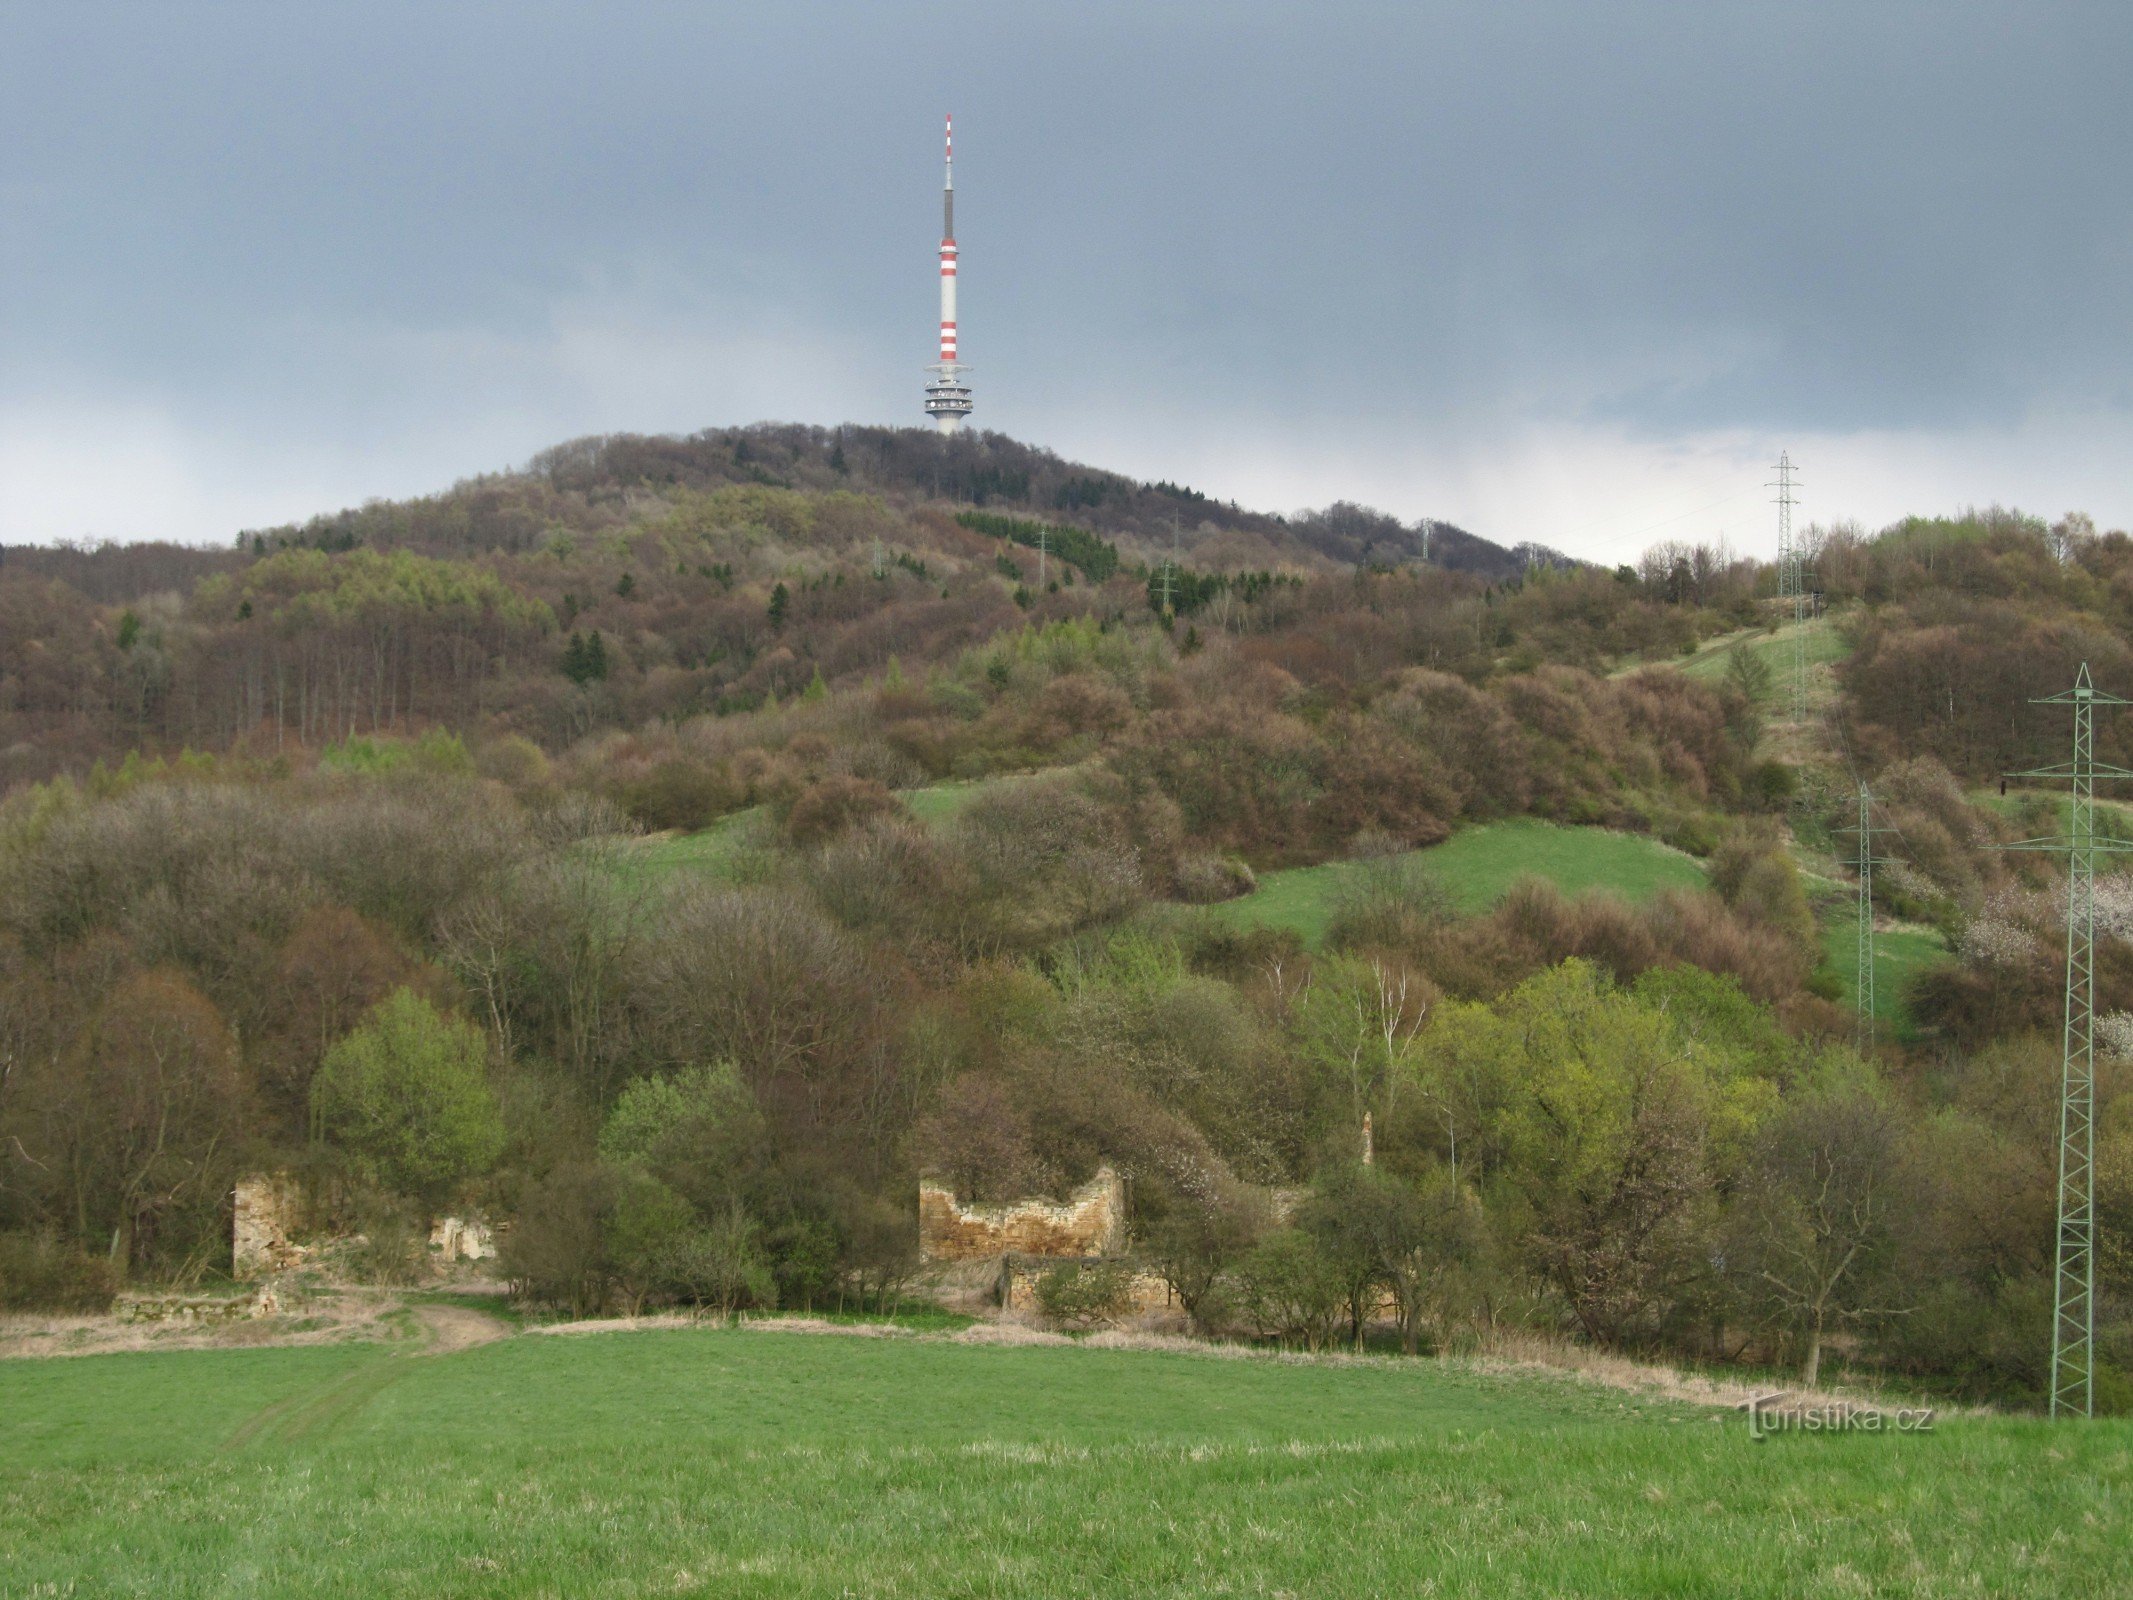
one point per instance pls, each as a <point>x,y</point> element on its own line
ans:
<point>1287,1289</point>
<point>1389,899</point>
<point>804,1261</point>
<point>1206,878</point>
<point>557,1254</point>
<point>1084,1293</point>
<point>1752,873</point>
<point>680,794</point>
<point>39,1273</point>
<point>721,1266</point>
<point>699,1132</point>
<point>644,1230</point>
<point>389,1243</point>
<point>835,805</point>
<point>1195,1235</point>
<point>407,1094</point>
<point>1773,784</point>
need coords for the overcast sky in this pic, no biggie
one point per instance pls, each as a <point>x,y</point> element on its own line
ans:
<point>1572,272</point>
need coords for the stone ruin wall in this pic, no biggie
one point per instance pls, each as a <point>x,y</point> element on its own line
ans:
<point>462,1239</point>
<point>269,1209</point>
<point>266,1212</point>
<point>1089,1222</point>
<point>1147,1292</point>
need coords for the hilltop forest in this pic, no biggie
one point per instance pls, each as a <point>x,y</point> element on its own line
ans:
<point>679,845</point>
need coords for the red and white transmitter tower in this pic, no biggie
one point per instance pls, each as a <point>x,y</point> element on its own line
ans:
<point>947,396</point>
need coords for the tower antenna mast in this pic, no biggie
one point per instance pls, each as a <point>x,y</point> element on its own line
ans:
<point>2073,1369</point>
<point>947,396</point>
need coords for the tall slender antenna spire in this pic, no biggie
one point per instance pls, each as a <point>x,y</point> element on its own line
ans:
<point>947,396</point>
<point>2073,1370</point>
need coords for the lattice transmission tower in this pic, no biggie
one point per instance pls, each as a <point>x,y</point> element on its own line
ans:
<point>1866,861</point>
<point>1792,582</point>
<point>1170,573</point>
<point>2073,1368</point>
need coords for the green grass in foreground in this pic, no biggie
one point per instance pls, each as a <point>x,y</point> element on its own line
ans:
<point>1477,865</point>
<point>759,1464</point>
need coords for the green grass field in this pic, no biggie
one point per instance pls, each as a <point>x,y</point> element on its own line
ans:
<point>718,848</point>
<point>1477,865</point>
<point>940,801</point>
<point>710,850</point>
<point>2114,816</point>
<point>1825,645</point>
<point>759,1464</point>
<point>1898,957</point>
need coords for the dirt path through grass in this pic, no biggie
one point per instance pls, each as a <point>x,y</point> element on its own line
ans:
<point>455,1328</point>
<point>324,1407</point>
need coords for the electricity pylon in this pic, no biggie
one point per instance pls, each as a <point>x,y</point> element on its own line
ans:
<point>1044,550</point>
<point>1170,573</point>
<point>1866,861</point>
<point>2074,1271</point>
<point>1792,583</point>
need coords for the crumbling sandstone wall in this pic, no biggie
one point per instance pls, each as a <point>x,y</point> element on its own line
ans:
<point>462,1239</point>
<point>1019,1275</point>
<point>1089,1222</point>
<point>265,1213</point>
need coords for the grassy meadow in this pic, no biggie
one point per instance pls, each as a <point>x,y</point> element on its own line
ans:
<point>1825,646</point>
<point>731,1462</point>
<point>1476,865</point>
<point>717,849</point>
<point>1899,956</point>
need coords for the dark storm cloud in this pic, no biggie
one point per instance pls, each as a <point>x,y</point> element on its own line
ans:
<point>421,231</point>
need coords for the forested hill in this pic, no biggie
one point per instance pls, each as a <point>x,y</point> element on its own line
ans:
<point>591,484</point>
<point>906,467</point>
<point>620,579</point>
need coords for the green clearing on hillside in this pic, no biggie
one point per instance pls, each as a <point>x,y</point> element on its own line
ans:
<point>1899,956</point>
<point>939,801</point>
<point>1477,865</point>
<point>1825,645</point>
<point>711,850</point>
<point>738,1463</point>
<point>2114,816</point>
<point>715,849</point>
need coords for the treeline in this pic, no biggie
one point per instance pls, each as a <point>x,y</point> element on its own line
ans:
<point>428,978</point>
